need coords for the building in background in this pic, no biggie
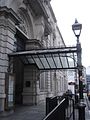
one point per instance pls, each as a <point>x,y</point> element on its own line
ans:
<point>88,84</point>
<point>84,79</point>
<point>27,25</point>
<point>73,81</point>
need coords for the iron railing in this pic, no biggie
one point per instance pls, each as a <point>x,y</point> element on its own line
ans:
<point>70,110</point>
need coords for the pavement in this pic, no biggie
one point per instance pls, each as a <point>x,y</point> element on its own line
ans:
<point>87,109</point>
<point>27,113</point>
<point>38,112</point>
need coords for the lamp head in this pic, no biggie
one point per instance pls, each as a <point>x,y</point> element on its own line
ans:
<point>76,27</point>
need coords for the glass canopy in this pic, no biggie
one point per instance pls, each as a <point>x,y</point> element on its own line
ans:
<point>49,59</point>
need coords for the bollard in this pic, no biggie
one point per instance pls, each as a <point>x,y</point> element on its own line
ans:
<point>81,109</point>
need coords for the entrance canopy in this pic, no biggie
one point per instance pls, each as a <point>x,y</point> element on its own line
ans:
<point>50,58</point>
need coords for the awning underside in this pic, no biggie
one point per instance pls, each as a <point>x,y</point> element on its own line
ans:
<point>49,59</point>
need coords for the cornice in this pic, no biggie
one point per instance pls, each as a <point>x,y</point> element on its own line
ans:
<point>9,13</point>
<point>6,24</point>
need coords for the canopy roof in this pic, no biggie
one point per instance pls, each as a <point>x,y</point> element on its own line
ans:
<point>49,59</point>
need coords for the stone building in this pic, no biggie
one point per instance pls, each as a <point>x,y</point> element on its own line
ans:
<point>27,25</point>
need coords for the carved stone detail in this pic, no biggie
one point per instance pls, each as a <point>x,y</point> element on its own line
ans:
<point>22,25</point>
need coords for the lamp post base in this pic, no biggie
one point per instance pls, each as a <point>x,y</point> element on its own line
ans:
<point>81,110</point>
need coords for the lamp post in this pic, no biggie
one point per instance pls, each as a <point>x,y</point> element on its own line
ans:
<point>76,27</point>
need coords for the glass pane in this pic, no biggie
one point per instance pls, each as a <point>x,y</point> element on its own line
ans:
<point>10,100</point>
<point>64,61</point>
<point>30,60</point>
<point>50,61</point>
<point>38,62</point>
<point>10,90</point>
<point>71,62</point>
<point>44,61</point>
<point>57,60</point>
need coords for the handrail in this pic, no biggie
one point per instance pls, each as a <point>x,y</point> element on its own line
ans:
<point>71,109</point>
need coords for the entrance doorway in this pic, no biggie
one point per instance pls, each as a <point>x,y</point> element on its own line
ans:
<point>19,73</point>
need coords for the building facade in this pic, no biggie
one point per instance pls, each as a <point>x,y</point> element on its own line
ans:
<point>27,25</point>
<point>88,84</point>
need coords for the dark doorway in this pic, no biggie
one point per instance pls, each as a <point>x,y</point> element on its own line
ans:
<point>19,75</point>
<point>19,69</point>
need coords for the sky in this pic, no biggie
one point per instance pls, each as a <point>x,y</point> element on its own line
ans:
<point>66,11</point>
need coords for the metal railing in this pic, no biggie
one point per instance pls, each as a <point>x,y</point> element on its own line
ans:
<point>70,110</point>
<point>59,108</point>
<point>51,103</point>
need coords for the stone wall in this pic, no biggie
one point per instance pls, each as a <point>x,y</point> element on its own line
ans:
<point>7,39</point>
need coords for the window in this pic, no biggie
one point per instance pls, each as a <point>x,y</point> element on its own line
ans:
<point>20,40</point>
<point>42,81</point>
<point>9,91</point>
<point>19,44</point>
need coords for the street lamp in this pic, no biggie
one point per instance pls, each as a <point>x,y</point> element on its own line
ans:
<point>76,27</point>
